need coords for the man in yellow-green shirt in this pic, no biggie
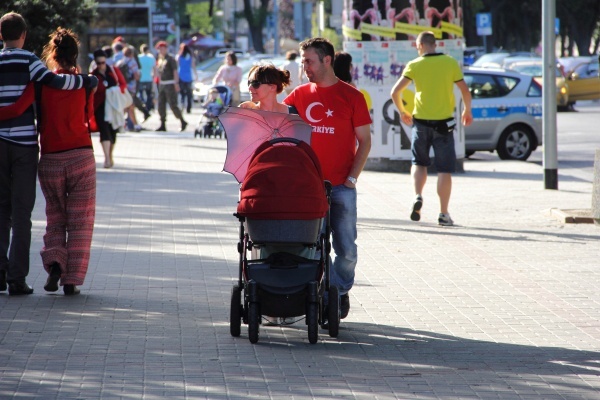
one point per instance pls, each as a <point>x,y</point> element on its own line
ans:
<point>434,76</point>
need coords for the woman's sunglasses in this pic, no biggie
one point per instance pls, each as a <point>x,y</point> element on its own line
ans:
<point>256,84</point>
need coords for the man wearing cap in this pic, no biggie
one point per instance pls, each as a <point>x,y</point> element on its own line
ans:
<point>168,86</point>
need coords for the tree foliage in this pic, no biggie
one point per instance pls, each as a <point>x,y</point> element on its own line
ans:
<point>517,26</point>
<point>44,16</point>
<point>200,20</point>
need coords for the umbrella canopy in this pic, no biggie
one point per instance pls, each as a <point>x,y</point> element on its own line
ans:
<point>246,129</point>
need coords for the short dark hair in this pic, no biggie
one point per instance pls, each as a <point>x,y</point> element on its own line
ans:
<point>427,38</point>
<point>341,66</point>
<point>99,53</point>
<point>321,46</point>
<point>291,55</point>
<point>12,26</point>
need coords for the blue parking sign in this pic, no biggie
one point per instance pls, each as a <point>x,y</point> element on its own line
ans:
<point>484,24</point>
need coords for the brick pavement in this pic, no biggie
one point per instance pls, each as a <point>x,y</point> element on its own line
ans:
<point>503,305</point>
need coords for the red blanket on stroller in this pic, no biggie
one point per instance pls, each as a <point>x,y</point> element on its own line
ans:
<point>283,182</point>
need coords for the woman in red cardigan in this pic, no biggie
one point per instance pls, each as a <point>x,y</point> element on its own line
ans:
<point>108,77</point>
<point>67,168</point>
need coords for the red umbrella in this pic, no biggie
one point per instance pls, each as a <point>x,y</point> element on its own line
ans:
<point>246,129</point>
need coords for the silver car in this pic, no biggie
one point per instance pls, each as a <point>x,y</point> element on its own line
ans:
<point>507,113</point>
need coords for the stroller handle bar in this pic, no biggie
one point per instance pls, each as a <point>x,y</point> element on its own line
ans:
<point>285,140</point>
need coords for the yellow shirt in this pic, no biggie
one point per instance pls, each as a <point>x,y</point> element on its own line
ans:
<point>434,76</point>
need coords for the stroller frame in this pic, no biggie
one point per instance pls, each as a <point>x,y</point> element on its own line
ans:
<point>210,126</point>
<point>257,291</point>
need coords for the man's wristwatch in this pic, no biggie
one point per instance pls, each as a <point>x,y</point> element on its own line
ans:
<point>352,180</point>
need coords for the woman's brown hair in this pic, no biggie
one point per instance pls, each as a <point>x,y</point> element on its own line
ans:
<point>62,50</point>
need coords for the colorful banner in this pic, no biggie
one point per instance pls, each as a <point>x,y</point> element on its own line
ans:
<point>376,68</point>
<point>378,20</point>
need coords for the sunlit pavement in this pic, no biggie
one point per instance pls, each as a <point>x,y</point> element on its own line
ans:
<point>503,305</point>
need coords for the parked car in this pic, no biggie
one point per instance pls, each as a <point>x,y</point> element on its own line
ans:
<point>535,68</point>
<point>507,113</point>
<point>500,59</point>
<point>582,77</point>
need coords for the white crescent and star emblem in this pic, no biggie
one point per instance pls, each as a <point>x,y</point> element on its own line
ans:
<point>309,117</point>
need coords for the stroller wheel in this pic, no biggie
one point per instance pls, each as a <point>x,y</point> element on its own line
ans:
<point>334,311</point>
<point>312,320</point>
<point>253,322</point>
<point>235,312</point>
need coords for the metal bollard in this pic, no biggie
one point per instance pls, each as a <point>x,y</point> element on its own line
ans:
<point>596,189</point>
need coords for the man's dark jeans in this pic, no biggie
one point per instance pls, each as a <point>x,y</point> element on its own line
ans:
<point>18,174</point>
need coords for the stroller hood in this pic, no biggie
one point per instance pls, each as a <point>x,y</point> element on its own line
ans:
<point>284,182</point>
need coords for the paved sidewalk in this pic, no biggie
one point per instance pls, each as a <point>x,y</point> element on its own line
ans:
<point>503,305</point>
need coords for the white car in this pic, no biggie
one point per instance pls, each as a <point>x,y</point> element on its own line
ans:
<point>507,113</point>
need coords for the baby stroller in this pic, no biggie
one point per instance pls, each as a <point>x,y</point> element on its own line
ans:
<point>208,125</point>
<point>284,204</point>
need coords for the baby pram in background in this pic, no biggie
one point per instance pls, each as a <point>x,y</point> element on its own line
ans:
<point>284,203</point>
<point>208,125</point>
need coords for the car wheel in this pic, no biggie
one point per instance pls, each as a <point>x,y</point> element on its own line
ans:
<point>516,143</point>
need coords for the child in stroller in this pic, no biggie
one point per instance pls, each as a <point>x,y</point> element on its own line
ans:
<point>217,99</point>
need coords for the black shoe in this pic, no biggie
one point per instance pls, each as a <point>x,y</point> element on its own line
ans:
<point>146,116</point>
<point>3,284</point>
<point>415,213</point>
<point>18,288</point>
<point>53,278</point>
<point>344,305</point>
<point>71,290</point>
<point>183,125</point>
<point>162,128</point>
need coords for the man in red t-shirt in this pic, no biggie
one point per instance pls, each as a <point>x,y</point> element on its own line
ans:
<point>340,119</point>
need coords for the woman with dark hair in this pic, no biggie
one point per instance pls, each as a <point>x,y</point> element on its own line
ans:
<point>342,67</point>
<point>67,169</point>
<point>107,77</point>
<point>230,74</point>
<point>187,74</point>
<point>265,82</point>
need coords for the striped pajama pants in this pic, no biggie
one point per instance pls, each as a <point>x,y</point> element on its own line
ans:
<point>68,181</point>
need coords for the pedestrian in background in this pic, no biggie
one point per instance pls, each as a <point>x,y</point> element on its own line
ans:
<point>19,150</point>
<point>293,67</point>
<point>341,139</point>
<point>130,70</point>
<point>107,78</point>
<point>434,76</point>
<point>231,75</point>
<point>168,86</point>
<point>342,66</point>
<point>147,73</point>
<point>187,75</point>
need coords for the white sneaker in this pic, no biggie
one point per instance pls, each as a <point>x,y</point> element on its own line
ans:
<point>445,220</point>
